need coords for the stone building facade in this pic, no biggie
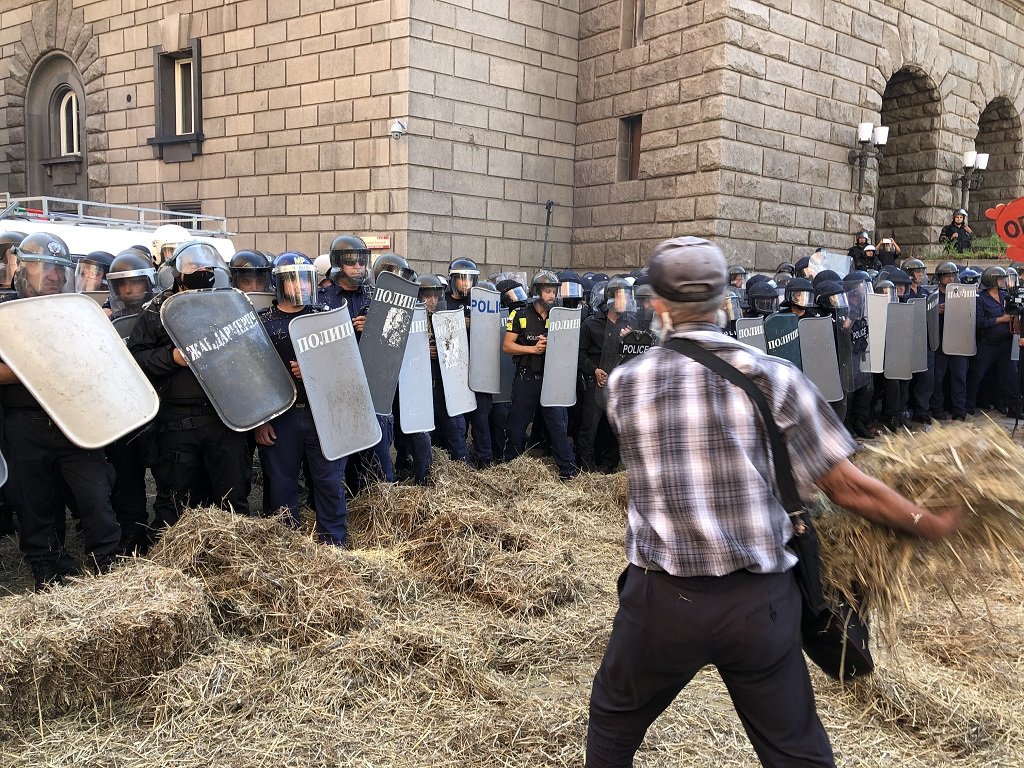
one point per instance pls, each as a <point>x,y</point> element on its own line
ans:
<point>636,119</point>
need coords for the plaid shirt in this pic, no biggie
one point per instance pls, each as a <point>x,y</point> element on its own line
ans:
<point>702,493</point>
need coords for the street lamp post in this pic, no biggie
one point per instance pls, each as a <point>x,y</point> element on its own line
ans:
<point>972,176</point>
<point>870,140</point>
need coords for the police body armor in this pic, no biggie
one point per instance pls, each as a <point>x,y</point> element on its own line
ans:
<point>231,355</point>
<point>561,358</point>
<point>415,390</point>
<point>385,334</point>
<point>452,344</point>
<point>336,388</point>
<point>65,361</point>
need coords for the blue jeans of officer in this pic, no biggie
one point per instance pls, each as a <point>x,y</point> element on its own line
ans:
<point>297,439</point>
<point>956,367</point>
<point>525,401</point>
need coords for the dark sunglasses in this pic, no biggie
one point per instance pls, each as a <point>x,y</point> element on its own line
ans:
<point>351,261</point>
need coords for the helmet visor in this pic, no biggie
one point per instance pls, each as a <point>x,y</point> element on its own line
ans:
<point>249,280</point>
<point>837,301</point>
<point>620,299</point>
<point>765,305</point>
<point>297,284</point>
<point>90,276</point>
<point>570,291</point>
<point>37,277</point>
<point>802,299</point>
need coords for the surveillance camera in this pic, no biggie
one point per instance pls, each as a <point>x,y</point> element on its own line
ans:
<point>397,129</point>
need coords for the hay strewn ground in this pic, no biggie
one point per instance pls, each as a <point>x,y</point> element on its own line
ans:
<point>462,630</point>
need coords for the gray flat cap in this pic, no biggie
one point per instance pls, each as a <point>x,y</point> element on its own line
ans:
<point>687,269</point>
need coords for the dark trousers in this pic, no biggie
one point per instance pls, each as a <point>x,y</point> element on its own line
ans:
<point>597,445</point>
<point>993,355</point>
<point>858,412</point>
<point>499,429</point>
<point>411,449</point>
<point>525,402</point>
<point>40,461</point>
<point>452,429</point>
<point>667,628</point>
<point>895,394</point>
<point>373,463</point>
<point>480,423</point>
<point>955,366</point>
<point>199,458</point>
<point>921,387</point>
<point>128,497</point>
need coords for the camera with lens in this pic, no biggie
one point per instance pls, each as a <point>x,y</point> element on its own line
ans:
<point>1013,304</point>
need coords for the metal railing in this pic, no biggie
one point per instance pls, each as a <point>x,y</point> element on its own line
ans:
<point>64,211</point>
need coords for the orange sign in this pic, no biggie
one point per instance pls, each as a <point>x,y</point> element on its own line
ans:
<point>378,242</point>
<point>1009,219</point>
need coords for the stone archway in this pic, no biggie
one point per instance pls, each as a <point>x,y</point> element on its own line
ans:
<point>55,49</point>
<point>909,176</point>
<point>999,134</point>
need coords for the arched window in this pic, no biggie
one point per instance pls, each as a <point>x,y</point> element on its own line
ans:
<point>67,119</point>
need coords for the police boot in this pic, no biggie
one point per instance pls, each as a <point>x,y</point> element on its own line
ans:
<point>45,574</point>
<point>68,566</point>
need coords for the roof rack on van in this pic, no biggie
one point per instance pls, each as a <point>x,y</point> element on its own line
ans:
<point>64,211</point>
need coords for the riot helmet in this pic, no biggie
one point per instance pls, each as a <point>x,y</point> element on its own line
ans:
<point>857,276</point>
<point>91,271</point>
<point>195,265</point>
<point>800,268</point>
<point>901,280</point>
<point>8,240</point>
<point>431,293</point>
<point>597,296</point>
<point>323,266</point>
<point>43,266</point>
<point>132,277</point>
<point>512,294</point>
<point>800,293</point>
<point>737,273</point>
<point>570,289</point>
<point>872,274</point>
<point>462,276</point>
<point>991,276</point>
<point>166,239</point>
<point>250,272</point>
<point>869,250</point>
<point>349,259</point>
<point>487,285</point>
<point>295,279</point>
<point>763,298</point>
<point>391,262</point>
<point>784,267</point>
<point>887,288</point>
<point>947,269</point>
<point>1012,279</point>
<point>831,296</point>
<point>826,275</point>
<point>863,235</point>
<point>618,297</point>
<point>759,278</point>
<point>544,287</point>
<point>782,279</point>
<point>960,212</point>
<point>916,269</point>
<point>969,276</point>
<point>600,277</point>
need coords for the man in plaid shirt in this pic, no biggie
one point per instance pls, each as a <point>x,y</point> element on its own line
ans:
<point>709,579</point>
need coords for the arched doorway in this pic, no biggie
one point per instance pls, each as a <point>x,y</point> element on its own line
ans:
<point>55,146</point>
<point>911,198</point>
<point>999,135</point>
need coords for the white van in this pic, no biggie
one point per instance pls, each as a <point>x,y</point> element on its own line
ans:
<point>88,227</point>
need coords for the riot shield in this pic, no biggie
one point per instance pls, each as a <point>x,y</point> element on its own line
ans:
<point>634,344</point>
<point>415,391</point>
<point>486,332</point>
<point>3,471</point>
<point>100,297</point>
<point>332,373</point>
<point>782,337</point>
<point>1015,349</point>
<point>878,317</point>
<point>452,344</point>
<point>919,351</point>
<point>66,353</point>
<point>230,353</point>
<point>385,334</point>
<point>561,359</point>
<point>750,330</point>
<point>839,263</point>
<point>958,327</point>
<point>932,310</point>
<point>899,342</point>
<point>818,355</point>
<point>124,325</point>
<point>508,368</point>
<point>611,350</point>
<point>261,300</point>
<point>851,329</point>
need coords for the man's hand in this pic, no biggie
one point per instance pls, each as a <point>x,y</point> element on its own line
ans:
<point>358,322</point>
<point>178,357</point>
<point>541,346</point>
<point>265,434</point>
<point>296,371</point>
<point>601,376</point>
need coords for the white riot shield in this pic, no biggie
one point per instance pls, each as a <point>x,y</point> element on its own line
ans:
<point>899,342</point>
<point>932,309</point>
<point>960,320</point>
<point>878,317</point>
<point>561,358</point>
<point>839,263</point>
<point>231,355</point>
<point>818,356</point>
<point>782,337</point>
<point>452,344</point>
<point>750,330</point>
<point>65,354</point>
<point>508,367</point>
<point>261,300</point>
<point>3,471</point>
<point>415,390</point>
<point>486,332</point>
<point>385,334</point>
<point>919,352</point>
<point>336,389</point>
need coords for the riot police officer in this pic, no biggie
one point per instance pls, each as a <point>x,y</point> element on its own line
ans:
<point>450,431</point>
<point>957,235</point>
<point>91,272</point>
<point>955,366</point>
<point>250,272</point>
<point>40,457</point>
<point>132,278</point>
<point>196,452</point>
<point>995,336</point>
<point>526,340</point>
<point>8,265</point>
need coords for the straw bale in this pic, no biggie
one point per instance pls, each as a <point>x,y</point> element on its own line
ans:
<point>96,640</point>
<point>264,579</point>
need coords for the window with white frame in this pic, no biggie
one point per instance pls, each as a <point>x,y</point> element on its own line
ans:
<point>67,119</point>
<point>179,103</point>
<point>184,90</point>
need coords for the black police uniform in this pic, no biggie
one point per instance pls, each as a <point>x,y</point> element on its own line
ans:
<point>193,444</point>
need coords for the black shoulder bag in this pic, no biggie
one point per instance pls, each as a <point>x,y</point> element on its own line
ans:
<point>834,635</point>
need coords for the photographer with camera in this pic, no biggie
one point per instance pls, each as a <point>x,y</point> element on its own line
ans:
<point>995,336</point>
